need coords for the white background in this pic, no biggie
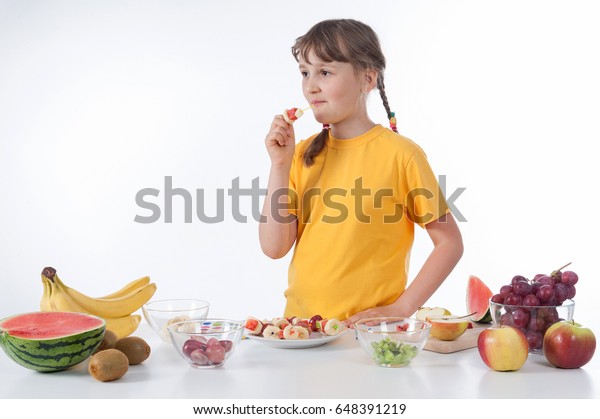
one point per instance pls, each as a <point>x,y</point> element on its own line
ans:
<point>101,99</point>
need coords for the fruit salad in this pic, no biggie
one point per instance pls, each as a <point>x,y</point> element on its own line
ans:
<point>392,353</point>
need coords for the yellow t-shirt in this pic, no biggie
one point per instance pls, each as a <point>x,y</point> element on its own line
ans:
<point>356,208</point>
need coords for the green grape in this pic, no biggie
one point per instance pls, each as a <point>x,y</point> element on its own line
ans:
<point>390,352</point>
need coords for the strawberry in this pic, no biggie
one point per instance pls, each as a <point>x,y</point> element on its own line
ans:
<point>291,113</point>
<point>402,328</point>
<point>251,324</point>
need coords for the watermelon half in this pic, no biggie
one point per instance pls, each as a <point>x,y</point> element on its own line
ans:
<point>478,300</point>
<point>50,341</point>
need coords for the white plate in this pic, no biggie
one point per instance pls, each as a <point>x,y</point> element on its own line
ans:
<point>315,339</point>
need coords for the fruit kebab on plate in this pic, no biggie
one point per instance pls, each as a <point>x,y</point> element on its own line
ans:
<point>293,328</point>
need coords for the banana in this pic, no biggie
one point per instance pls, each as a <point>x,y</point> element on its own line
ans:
<point>123,326</point>
<point>107,307</point>
<point>46,303</point>
<point>56,298</point>
<point>61,301</point>
<point>132,286</point>
<point>115,307</point>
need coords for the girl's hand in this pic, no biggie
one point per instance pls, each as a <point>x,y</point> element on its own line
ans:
<point>392,310</point>
<point>447,250</point>
<point>280,142</point>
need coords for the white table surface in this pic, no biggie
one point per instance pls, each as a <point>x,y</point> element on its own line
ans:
<point>340,369</point>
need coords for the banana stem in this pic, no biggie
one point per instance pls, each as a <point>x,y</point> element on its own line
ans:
<point>49,272</point>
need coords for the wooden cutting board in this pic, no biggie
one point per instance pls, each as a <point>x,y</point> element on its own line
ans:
<point>465,341</point>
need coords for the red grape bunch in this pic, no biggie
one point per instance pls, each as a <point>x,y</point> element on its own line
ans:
<point>530,304</point>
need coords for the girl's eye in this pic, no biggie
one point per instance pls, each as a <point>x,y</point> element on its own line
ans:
<point>304,73</point>
<point>324,73</point>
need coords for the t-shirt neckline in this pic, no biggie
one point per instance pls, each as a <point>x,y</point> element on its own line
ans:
<point>362,139</point>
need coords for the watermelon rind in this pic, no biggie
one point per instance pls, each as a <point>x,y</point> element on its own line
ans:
<point>485,319</point>
<point>53,354</point>
<point>478,300</point>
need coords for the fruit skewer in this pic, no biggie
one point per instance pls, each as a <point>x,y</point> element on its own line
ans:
<point>291,115</point>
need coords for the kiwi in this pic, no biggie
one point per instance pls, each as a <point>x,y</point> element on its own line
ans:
<point>110,338</point>
<point>135,348</point>
<point>108,365</point>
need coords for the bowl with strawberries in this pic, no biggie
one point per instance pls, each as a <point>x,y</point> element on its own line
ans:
<point>206,343</point>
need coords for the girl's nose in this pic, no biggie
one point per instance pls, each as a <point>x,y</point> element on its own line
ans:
<point>312,86</point>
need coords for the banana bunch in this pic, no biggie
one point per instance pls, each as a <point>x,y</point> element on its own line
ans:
<point>116,309</point>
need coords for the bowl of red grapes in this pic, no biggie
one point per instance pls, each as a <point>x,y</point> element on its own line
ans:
<point>206,343</point>
<point>533,305</point>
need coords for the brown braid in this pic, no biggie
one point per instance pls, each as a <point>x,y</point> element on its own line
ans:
<point>315,147</point>
<point>386,105</point>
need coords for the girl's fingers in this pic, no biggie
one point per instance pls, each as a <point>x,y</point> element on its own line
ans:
<point>278,121</point>
<point>348,323</point>
<point>278,137</point>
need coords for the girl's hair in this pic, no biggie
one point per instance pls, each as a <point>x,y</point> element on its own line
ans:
<point>346,41</point>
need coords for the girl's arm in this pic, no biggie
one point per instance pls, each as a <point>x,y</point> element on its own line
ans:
<point>278,228</point>
<point>446,253</point>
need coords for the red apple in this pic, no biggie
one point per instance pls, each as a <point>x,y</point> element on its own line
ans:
<point>569,345</point>
<point>503,348</point>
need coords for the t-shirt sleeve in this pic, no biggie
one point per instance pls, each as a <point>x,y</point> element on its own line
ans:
<point>425,201</point>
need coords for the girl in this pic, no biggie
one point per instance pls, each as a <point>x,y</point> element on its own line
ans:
<point>356,190</point>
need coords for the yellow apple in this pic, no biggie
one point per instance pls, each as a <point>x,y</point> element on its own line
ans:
<point>503,348</point>
<point>424,312</point>
<point>448,327</point>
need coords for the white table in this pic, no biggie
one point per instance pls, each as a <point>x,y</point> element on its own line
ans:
<point>339,369</point>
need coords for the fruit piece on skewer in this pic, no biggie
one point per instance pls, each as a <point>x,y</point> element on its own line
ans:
<point>313,322</point>
<point>281,322</point>
<point>304,324</point>
<point>254,326</point>
<point>271,332</point>
<point>291,115</point>
<point>331,327</point>
<point>292,332</point>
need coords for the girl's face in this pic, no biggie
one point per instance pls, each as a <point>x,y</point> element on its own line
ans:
<point>337,92</point>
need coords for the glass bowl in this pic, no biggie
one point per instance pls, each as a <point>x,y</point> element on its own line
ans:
<point>207,343</point>
<point>160,313</point>
<point>532,320</point>
<point>392,341</point>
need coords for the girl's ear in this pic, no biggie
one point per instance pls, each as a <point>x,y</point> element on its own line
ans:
<point>370,80</point>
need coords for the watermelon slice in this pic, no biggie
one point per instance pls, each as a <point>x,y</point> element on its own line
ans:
<point>51,341</point>
<point>478,300</point>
